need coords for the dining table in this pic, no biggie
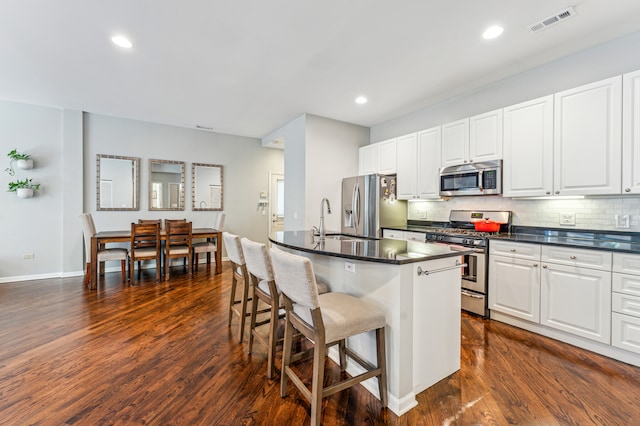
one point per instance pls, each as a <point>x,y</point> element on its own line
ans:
<point>124,236</point>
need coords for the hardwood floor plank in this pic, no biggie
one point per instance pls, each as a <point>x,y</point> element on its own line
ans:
<point>162,353</point>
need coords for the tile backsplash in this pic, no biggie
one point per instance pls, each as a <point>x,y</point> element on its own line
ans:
<point>590,213</point>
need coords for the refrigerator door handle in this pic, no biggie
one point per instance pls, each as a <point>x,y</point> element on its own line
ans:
<point>356,205</point>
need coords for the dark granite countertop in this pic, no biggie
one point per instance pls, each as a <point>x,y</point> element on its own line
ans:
<point>397,252</point>
<point>616,241</point>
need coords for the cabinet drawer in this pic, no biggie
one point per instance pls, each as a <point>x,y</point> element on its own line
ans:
<point>626,263</point>
<point>393,234</point>
<point>514,250</point>
<point>625,304</point>
<point>627,284</point>
<point>593,259</point>
<point>625,332</point>
<point>415,236</point>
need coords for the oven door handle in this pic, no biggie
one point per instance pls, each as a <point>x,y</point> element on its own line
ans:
<point>472,295</point>
<point>461,248</point>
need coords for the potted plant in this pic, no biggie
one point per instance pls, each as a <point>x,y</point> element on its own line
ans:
<point>23,161</point>
<point>23,188</point>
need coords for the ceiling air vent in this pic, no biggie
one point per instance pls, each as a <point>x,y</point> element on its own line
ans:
<point>210,129</point>
<point>563,15</point>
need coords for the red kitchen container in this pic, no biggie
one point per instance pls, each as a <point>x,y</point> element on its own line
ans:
<point>487,225</point>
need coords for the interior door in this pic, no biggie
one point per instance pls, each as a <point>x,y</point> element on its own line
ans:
<point>276,203</point>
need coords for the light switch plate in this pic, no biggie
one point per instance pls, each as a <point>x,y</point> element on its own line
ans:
<point>622,221</point>
<point>567,218</point>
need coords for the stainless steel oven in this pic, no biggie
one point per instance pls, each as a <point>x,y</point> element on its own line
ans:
<point>459,233</point>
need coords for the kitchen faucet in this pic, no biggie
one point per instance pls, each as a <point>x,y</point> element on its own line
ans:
<point>322,231</point>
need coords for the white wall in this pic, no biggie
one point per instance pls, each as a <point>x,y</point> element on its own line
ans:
<point>319,152</point>
<point>613,58</point>
<point>34,225</point>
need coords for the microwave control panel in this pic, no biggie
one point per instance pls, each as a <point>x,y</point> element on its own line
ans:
<point>490,179</point>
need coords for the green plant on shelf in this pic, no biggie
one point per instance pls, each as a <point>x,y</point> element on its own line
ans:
<point>14,186</point>
<point>14,155</point>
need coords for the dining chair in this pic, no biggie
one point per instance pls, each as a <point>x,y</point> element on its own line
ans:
<point>104,254</point>
<point>324,319</point>
<point>177,244</point>
<point>145,245</point>
<point>240,276</point>
<point>208,247</point>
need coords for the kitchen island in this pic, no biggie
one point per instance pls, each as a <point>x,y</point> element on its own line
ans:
<point>416,285</point>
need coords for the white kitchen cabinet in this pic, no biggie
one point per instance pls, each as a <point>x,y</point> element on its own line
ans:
<point>455,143</point>
<point>415,236</point>
<point>625,302</point>
<point>514,286</point>
<point>393,234</point>
<point>368,159</point>
<point>485,136</point>
<point>419,165</point>
<point>631,133</point>
<point>581,258</point>
<point>387,151</point>
<point>378,158</point>
<point>588,139</point>
<point>576,300</point>
<point>407,167</point>
<point>527,169</point>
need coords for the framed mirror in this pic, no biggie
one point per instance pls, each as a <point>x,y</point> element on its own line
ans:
<point>166,185</point>
<point>117,182</point>
<point>206,186</point>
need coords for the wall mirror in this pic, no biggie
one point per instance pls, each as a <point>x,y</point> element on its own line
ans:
<point>117,182</point>
<point>166,185</point>
<point>206,186</point>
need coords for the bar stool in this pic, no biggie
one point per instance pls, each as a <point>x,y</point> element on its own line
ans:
<point>324,319</point>
<point>240,275</point>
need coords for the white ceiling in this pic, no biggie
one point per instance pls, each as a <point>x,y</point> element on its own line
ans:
<point>247,67</point>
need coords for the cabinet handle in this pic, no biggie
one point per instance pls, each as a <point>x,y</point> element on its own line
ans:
<point>557,192</point>
<point>535,265</point>
<point>544,266</point>
<point>627,190</point>
<point>513,250</point>
<point>548,192</point>
<point>572,257</point>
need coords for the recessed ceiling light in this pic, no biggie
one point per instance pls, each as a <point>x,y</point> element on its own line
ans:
<point>492,32</point>
<point>122,42</point>
<point>361,100</point>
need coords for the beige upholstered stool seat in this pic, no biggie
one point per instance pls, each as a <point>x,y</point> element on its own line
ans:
<point>324,319</point>
<point>343,315</point>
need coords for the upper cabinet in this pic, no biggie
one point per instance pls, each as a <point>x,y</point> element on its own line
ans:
<point>631,133</point>
<point>474,139</point>
<point>455,143</point>
<point>419,165</point>
<point>587,139</point>
<point>378,158</point>
<point>527,169</point>
<point>407,162</point>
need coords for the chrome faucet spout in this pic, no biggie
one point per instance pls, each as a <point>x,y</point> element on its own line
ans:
<point>321,230</point>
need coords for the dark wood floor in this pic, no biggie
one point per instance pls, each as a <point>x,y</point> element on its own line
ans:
<point>161,353</point>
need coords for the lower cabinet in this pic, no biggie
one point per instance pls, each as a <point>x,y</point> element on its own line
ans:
<point>625,302</point>
<point>577,301</point>
<point>560,294</point>
<point>514,287</point>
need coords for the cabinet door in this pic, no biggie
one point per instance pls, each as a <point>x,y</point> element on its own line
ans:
<point>368,160</point>
<point>514,287</point>
<point>588,139</point>
<point>428,180</point>
<point>577,301</point>
<point>625,332</point>
<point>455,143</point>
<point>485,136</point>
<point>527,169</point>
<point>387,157</point>
<point>631,133</point>
<point>407,167</point>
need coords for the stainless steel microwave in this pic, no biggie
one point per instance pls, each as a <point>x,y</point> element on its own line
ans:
<point>471,179</point>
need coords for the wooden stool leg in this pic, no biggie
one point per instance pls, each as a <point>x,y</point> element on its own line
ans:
<point>87,274</point>
<point>123,269</point>
<point>382,364</point>
<point>317,385</point>
<point>286,355</point>
<point>343,356</point>
<point>243,305</point>
<point>273,327</point>
<point>232,299</point>
<point>252,321</point>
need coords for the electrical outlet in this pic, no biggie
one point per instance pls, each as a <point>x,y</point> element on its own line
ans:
<point>350,267</point>
<point>29,256</point>
<point>622,221</point>
<point>567,218</point>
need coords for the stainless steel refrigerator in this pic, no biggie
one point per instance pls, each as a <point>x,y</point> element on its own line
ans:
<point>369,204</point>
